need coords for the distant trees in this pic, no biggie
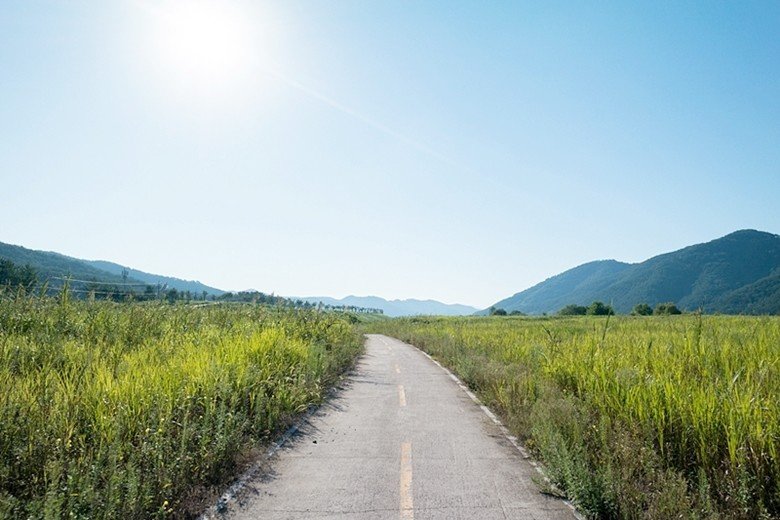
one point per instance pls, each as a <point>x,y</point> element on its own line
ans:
<point>172,295</point>
<point>599,309</point>
<point>662,309</point>
<point>573,310</point>
<point>666,309</point>
<point>497,312</point>
<point>258,297</point>
<point>642,309</point>
<point>596,308</point>
<point>12,275</point>
<point>255,297</point>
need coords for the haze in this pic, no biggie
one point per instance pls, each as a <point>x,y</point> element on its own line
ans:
<point>454,151</point>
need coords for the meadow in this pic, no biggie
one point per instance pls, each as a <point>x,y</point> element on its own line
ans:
<point>124,410</point>
<point>633,417</point>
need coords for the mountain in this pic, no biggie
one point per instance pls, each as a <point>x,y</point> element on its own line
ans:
<point>395,308</point>
<point>761,297</point>
<point>52,266</point>
<point>574,285</point>
<point>735,274</point>
<point>194,287</point>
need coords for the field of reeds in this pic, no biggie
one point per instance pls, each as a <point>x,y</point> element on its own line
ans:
<point>121,410</point>
<point>633,417</point>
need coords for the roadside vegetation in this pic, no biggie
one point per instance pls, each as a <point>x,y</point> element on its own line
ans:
<point>634,417</point>
<point>121,410</point>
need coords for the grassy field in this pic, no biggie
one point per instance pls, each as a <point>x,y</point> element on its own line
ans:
<point>121,411</point>
<point>647,417</point>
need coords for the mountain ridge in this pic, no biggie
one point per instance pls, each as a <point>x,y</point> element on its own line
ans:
<point>172,282</point>
<point>53,266</point>
<point>714,276</point>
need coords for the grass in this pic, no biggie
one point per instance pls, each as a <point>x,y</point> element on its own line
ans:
<point>647,417</point>
<point>121,410</point>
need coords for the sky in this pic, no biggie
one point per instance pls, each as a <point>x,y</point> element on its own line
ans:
<point>458,151</point>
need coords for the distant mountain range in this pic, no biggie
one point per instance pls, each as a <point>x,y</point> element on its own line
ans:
<point>54,268</point>
<point>735,274</point>
<point>394,308</point>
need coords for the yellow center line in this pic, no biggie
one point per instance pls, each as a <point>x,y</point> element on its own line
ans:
<point>401,395</point>
<point>407,504</point>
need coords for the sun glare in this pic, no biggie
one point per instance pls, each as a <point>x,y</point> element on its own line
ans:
<point>203,44</point>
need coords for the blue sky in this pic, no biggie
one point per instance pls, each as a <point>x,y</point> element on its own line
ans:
<point>461,151</point>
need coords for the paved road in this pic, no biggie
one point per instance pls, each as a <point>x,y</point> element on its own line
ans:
<point>400,441</point>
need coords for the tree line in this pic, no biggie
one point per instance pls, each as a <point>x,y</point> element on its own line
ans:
<point>598,308</point>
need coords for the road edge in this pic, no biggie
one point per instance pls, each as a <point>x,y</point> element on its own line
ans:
<point>217,510</point>
<point>502,428</point>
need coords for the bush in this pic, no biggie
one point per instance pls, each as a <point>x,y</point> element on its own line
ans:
<point>573,310</point>
<point>642,309</point>
<point>599,309</point>
<point>666,309</point>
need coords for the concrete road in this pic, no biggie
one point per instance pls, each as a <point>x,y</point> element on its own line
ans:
<point>401,441</point>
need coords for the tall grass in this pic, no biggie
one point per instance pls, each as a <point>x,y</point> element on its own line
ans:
<point>660,417</point>
<point>115,410</point>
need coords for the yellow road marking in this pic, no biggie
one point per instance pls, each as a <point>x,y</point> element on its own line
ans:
<point>407,504</point>
<point>397,369</point>
<point>401,395</point>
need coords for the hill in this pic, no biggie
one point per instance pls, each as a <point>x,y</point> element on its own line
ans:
<point>395,308</point>
<point>194,287</point>
<point>52,267</point>
<point>736,274</point>
<point>574,285</point>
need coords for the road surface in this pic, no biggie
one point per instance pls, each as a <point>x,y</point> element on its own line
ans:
<point>401,441</point>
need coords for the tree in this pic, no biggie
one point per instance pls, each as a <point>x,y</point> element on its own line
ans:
<point>497,312</point>
<point>13,275</point>
<point>27,276</point>
<point>666,309</point>
<point>599,309</point>
<point>517,313</point>
<point>642,309</point>
<point>573,310</point>
<point>172,295</point>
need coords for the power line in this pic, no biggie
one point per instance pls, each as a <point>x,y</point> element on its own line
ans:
<point>105,283</point>
<point>87,291</point>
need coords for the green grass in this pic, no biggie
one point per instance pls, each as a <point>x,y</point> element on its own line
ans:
<point>656,417</point>
<point>115,410</point>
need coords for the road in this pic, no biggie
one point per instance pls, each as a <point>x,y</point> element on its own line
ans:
<point>403,441</point>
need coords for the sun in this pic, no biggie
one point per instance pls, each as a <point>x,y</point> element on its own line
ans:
<point>202,44</point>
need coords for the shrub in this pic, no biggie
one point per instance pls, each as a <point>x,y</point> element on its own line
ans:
<point>666,309</point>
<point>642,309</point>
